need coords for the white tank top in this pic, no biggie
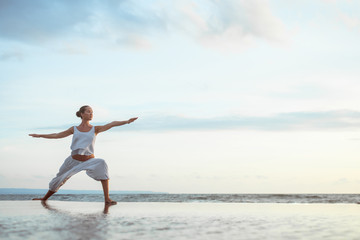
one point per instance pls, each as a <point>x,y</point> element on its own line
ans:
<point>83,142</point>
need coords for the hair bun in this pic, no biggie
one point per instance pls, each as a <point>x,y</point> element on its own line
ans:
<point>81,110</point>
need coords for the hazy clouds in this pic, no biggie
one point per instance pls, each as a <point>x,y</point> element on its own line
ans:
<point>222,24</point>
<point>293,121</point>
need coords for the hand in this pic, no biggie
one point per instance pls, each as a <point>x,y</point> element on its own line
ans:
<point>34,135</point>
<point>131,120</point>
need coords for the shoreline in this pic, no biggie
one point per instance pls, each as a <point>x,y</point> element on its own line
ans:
<point>202,198</point>
<point>177,221</point>
<point>35,206</point>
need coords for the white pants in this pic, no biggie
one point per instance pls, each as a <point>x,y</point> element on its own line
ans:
<point>96,168</point>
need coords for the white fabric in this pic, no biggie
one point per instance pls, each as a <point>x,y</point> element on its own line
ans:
<point>96,168</point>
<point>83,142</point>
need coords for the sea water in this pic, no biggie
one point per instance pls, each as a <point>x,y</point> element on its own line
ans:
<point>178,220</point>
<point>211,198</point>
<point>181,216</point>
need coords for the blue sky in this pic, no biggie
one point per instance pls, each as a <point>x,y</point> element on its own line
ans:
<point>232,96</point>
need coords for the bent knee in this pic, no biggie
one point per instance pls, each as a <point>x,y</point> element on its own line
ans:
<point>100,161</point>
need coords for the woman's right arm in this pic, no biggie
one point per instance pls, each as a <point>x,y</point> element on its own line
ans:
<point>54,135</point>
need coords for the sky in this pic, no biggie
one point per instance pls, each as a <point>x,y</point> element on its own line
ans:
<point>233,96</point>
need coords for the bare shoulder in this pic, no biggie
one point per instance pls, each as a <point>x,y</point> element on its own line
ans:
<point>67,132</point>
<point>98,129</point>
<point>70,130</point>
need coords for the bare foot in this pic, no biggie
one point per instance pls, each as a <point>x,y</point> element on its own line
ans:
<point>110,202</point>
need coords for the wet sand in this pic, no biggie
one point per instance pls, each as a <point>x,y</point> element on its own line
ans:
<point>91,220</point>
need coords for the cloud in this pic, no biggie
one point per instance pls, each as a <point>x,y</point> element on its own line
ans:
<point>134,41</point>
<point>11,55</point>
<point>342,181</point>
<point>252,17</point>
<point>284,121</point>
<point>74,49</point>
<point>350,21</point>
<point>292,121</point>
<point>40,20</point>
<point>230,24</point>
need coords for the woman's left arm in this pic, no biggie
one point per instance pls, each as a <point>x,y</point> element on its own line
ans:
<point>99,129</point>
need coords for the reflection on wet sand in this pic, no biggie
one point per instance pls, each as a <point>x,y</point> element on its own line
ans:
<point>80,225</point>
<point>47,206</point>
<point>59,220</point>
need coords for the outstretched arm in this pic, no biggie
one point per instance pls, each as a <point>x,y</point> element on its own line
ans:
<point>99,129</point>
<point>54,135</point>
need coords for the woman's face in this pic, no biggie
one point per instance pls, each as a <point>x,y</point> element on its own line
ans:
<point>88,114</point>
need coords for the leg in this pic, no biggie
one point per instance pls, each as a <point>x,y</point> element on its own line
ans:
<point>47,195</point>
<point>67,169</point>
<point>97,169</point>
<point>105,185</point>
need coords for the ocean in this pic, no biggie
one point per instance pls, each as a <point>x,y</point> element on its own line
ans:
<point>181,217</point>
<point>205,198</point>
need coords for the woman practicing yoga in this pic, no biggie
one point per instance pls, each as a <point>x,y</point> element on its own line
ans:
<point>82,156</point>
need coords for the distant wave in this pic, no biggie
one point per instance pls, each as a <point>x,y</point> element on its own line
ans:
<point>211,198</point>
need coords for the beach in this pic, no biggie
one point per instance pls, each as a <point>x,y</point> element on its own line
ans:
<point>149,220</point>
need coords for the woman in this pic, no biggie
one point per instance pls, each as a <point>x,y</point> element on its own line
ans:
<point>82,156</point>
